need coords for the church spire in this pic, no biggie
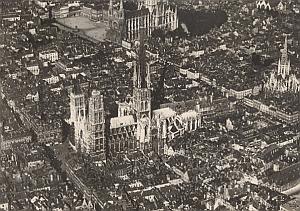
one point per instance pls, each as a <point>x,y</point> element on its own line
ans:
<point>121,10</point>
<point>121,5</point>
<point>284,55</point>
<point>110,4</point>
<point>1,97</point>
<point>1,112</point>
<point>141,67</point>
<point>111,7</point>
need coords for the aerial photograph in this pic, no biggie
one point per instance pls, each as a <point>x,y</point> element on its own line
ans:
<point>141,105</point>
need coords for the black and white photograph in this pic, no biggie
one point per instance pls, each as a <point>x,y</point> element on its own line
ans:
<point>149,105</point>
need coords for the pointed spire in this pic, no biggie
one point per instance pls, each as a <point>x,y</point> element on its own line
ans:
<point>121,10</point>
<point>1,113</point>
<point>1,97</point>
<point>286,44</point>
<point>121,5</point>
<point>141,67</point>
<point>284,55</point>
<point>1,90</point>
<point>111,8</point>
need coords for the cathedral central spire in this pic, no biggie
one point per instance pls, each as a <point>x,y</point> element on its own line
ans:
<point>121,5</point>
<point>284,55</point>
<point>1,99</point>
<point>110,4</point>
<point>142,94</point>
<point>1,113</point>
<point>141,67</point>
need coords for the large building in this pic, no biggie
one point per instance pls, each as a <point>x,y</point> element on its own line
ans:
<point>283,79</point>
<point>284,84</point>
<point>137,127</point>
<point>151,14</point>
<point>139,106</point>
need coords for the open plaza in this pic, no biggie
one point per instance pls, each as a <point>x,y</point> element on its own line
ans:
<point>94,30</point>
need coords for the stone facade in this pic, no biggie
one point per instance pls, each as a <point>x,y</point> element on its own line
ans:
<point>283,80</point>
<point>151,14</point>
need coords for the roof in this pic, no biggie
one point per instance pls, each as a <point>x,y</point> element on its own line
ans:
<point>294,205</point>
<point>164,113</point>
<point>274,3</point>
<point>189,114</point>
<point>121,121</point>
<point>136,13</point>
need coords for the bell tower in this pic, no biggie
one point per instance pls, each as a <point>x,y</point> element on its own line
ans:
<point>142,95</point>
<point>284,62</point>
<point>116,23</point>
<point>96,124</point>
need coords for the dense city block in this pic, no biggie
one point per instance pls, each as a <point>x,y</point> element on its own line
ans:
<point>150,105</point>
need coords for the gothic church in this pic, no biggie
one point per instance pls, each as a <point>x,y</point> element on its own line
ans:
<point>151,14</point>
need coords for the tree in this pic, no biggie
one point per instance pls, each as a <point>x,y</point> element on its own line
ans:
<point>201,22</point>
<point>256,60</point>
<point>130,5</point>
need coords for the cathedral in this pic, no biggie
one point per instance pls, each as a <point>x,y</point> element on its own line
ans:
<point>137,127</point>
<point>151,14</point>
<point>283,80</point>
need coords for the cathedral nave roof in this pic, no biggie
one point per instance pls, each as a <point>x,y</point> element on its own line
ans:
<point>121,121</point>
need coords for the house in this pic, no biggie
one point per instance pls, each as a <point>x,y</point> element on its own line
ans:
<point>50,55</point>
<point>276,5</point>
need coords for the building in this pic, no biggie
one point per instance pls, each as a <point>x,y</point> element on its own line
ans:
<point>4,202</point>
<point>33,67</point>
<point>95,12</point>
<point>288,117</point>
<point>15,137</point>
<point>10,131</point>
<point>291,205</point>
<point>151,14</point>
<point>277,5</point>
<point>11,17</point>
<point>137,127</point>
<point>50,56</point>
<point>87,115</point>
<point>135,115</point>
<point>283,80</point>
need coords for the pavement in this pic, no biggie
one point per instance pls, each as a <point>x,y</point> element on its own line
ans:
<point>91,29</point>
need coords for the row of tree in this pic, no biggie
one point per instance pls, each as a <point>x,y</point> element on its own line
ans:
<point>199,22</point>
<point>192,22</point>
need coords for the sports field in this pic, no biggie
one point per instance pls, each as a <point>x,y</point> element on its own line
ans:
<point>95,30</point>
